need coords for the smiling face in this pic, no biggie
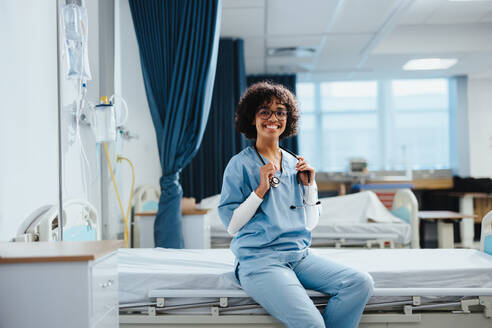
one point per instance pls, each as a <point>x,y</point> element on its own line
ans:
<point>271,127</point>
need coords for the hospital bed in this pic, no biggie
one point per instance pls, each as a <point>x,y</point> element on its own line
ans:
<point>358,219</point>
<point>146,199</point>
<point>81,223</point>
<point>413,287</point>
<point>362,219</point>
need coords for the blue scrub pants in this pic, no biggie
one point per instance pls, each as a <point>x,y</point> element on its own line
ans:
<point>281,290</point>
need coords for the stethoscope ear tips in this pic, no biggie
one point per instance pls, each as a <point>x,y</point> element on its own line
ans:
<point>292,207</point>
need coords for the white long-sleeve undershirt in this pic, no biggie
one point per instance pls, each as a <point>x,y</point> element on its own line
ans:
<point>248,208</point>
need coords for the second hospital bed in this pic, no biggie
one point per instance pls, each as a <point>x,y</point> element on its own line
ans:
<point>413,287</point>
<point>354,219</point>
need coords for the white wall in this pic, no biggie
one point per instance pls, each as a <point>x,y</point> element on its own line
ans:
<point>480,127</point>
<point>28,124</point>
<point>129,83</point>
<point>29,114</point>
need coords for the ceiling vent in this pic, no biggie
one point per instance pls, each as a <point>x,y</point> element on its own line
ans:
<point>295,68</point>
<point>292,51</point>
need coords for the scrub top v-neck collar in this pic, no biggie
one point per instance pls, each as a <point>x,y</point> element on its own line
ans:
<point>265,159</point>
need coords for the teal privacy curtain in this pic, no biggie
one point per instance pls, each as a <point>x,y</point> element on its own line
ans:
<point>203,176</point>
<point>178,44</point>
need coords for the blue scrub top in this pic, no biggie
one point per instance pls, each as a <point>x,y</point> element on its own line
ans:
<point>276,233</point>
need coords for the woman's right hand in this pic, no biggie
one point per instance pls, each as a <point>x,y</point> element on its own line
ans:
<point>266,172</point>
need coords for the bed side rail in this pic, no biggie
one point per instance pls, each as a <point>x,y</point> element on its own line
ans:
<point>486,236</point>
<point>406,198</point>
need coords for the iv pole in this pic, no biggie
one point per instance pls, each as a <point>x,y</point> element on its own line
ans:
<point>58,71</point>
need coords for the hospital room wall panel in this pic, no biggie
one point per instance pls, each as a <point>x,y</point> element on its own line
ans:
<point>129,83</point>
<point>29,176</point>
<point>28,124</point>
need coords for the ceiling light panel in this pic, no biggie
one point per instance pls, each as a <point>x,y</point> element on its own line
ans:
<point>429,64</point>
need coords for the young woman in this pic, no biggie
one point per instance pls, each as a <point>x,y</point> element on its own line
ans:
<point>269,203</point>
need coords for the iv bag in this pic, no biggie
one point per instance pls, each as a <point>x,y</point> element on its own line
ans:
<point>74,21</point>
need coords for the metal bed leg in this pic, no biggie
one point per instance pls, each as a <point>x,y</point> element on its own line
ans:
<point>486,302</point>
<point>465,305</point>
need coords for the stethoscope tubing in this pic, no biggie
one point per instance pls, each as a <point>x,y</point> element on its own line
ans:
<point>274,181</point>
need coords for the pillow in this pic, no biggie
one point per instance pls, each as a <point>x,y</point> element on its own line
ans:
<point>150,206</point>
<point>487,245</point>
<point>403,213</point>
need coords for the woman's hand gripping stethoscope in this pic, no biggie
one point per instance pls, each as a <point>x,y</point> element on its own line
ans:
<point>306,172</point>
<point>267,172</point>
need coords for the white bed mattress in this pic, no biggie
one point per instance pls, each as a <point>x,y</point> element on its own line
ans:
<point>142,270</point>
<point>400,233</point>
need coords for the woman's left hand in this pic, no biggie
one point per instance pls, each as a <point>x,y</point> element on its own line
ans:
<point>303,167</point>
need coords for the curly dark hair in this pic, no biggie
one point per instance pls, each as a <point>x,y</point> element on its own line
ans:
<point>260,94</point>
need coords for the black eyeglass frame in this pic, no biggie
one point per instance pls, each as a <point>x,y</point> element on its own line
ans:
<point>286,112</point>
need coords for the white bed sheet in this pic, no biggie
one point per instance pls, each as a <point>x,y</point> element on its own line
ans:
<point>400,233</point>
<point>142,270</point>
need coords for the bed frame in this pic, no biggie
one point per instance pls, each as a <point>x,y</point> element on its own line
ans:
<point>469,307</point>
<point>472,309</point>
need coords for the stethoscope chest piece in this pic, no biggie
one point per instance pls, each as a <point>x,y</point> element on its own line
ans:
<point>274,182</point>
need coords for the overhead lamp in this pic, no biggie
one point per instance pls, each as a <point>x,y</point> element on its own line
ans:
<point>429,64</point>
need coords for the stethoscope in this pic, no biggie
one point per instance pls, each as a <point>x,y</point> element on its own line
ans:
<point>275,182</point>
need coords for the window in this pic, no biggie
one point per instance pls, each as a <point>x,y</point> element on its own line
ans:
<point>393,124</point>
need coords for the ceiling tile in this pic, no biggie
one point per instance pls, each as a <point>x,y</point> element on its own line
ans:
<point>460,12</point>
<point>293,17</point>
<point>242,3</point>
<point>420,11</point>
<point>338,62</point>
<point>437,38</point>
<point>345,44</point>
<point>487,17</point>
<point>362,16</point>
<point>242,22</point>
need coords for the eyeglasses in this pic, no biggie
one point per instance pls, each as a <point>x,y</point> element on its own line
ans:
<point>265,114</point>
